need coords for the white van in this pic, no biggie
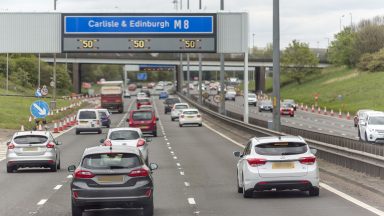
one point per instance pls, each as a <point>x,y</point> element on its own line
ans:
<point>88,120</point>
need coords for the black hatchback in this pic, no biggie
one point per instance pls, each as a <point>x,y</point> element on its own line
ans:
<point>168,104</point>
<point>112,178</point>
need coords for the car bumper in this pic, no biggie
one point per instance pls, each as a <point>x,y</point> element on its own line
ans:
<point>299,182</point>
<point>190,121</point>
<point>31,161</point>
<point>375,137</point>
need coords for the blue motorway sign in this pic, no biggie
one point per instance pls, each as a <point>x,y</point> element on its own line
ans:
<point>39,109</point>
<point>156,67</point>
<point>145,24</point>
<point>142,76</point>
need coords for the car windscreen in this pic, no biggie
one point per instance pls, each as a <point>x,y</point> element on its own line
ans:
<point>252,96</point>
<point>181,107</point>
<point>377,120</point>
<point>190,112</point>
<point>111,161</point>
<point>142,100</point>
<point>140,116</point>
<point>87,115</point>
<point>30,139</point>
<point>172,100</point>
<point>103,114</point>
<point>124,135</point>
<point>281,148</point>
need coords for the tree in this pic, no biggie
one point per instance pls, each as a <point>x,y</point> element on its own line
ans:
<point>298,61</point>
<point>342,50</point>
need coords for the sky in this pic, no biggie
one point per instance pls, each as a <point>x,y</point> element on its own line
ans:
<point>310,21</point>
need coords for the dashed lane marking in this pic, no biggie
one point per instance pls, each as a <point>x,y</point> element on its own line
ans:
<point>191,201</point>
<point>187,184</point>
<point>175,157</point>
<point>182,173</point>
<point>57,187</point>
<point>42,202</point>
<point>178,164</point>
<point>69,176</point>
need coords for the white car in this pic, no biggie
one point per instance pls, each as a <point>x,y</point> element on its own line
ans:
<point>371,129</point>
<point>176,110</point>
<point>141,95</point>
<point>88,120</point>
<point>190,117</point>
<point>277,163</point>
<point>230,95</point>
<point>127,136</point>
<point>252,99</point>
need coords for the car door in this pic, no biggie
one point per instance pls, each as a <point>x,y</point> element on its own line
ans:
<point>242,160</point>
<point>363,127</point>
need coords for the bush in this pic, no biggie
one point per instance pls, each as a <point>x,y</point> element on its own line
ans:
<point>372,62</point>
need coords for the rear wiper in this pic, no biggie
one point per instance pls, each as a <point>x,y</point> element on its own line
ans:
<point>288,153</point>
<point>119,139</point>
<point>116,167</point>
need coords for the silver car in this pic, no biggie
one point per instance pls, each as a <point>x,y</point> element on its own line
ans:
<point>112,177</point>
<point>33,149</point>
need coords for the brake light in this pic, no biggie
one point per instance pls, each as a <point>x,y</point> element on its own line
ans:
<point>11,146</point>
<point>107,143</point>
<point>292,109</point>
<point>117,101</point>
<point>83,174</point>
<point>254,162</point>
<point>50,145</point>
<point>181,116</point>
<point>308,160</point>
<point>140,143</point>
<point>148,193</point>
<point>75,194</point>
<point>138,173</point>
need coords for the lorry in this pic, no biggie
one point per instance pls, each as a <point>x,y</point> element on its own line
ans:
<point>112,95</point>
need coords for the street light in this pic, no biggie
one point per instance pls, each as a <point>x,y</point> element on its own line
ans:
<point>253,42</point>
<point>350,14</point>
<point>340,20</point>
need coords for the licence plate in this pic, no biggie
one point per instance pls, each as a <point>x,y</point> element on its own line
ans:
<point>143,126</point>
<point>189,116</point>
<point>110,179</point>
<point>31,149</point>
<point>283,165</point>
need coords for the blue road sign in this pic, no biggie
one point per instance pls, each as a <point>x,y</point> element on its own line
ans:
<point>142,76</point>
<point>156,67</point>
<point>38,93</point>
<point>155,24</point>
<point>39,109</point>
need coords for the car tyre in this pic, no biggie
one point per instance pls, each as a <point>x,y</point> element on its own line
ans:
<point>148,208</point>
<point>260,110</point>
<point>200,125</point>
<point>77,132</point>
<point>76,211</point>
<point>254,105</point>
<point>99,131</point>
<point>180,125</point>
<point>10,169</point>
<point>247,193</point>
<point>108,126</point>
<point>154,133</point>
<point>58,165</point>
<point>53,168</point>
<point>239,189</point>
<point>292,115</point>
<point>172,119</point>
<point>366,137</point>
<point>314,191</point>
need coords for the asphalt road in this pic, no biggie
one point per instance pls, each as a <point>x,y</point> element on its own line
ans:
<point>196,176</point>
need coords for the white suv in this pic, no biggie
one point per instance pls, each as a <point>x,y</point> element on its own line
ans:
<point>371,129</point>
<point>88,120</point>
<point>277,163</point>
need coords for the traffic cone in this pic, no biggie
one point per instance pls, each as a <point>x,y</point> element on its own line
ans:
<point>40,128</point>
<point>60,126</point>
<point>319,110</point>
<point>348,116</point>
<point>332,112</point>
<point>325,111</point>
<point>306,108</point>
<point>55,128</point>
<point>30,119</point>
<point>313,109</point>
<point>22,128</point>
<point>340,114</point>
<point>64,125</point>
<point>302,106</point>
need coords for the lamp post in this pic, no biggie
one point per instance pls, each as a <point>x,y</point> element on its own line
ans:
<point>53,102</point>
<point>253,43</point>
<point>340,20</point>
<point>222,95</point>
<point>7,85</point>
<point>350,14</point>
<point>276,66</point>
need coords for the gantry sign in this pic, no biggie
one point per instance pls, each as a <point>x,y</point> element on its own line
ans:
<point>139,33</point>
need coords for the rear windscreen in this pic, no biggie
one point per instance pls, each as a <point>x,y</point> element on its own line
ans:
<point>142,100</point>
<point>281,148</point>
<point>87,115</point>
<point>30,139</point>
<point>124,135</point>
<point>111,161</point>
<point>172,101</point>
<point>190,112</point>
<point>181,107</point>
<point>139,116</point>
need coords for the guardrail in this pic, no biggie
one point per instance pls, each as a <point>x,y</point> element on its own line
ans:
<point>360,161</point>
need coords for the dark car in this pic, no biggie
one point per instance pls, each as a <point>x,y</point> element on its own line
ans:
<point>265,106</point>
<point>105,117</point>
<point>112,177</point>
<point>145,120</point>
<point>168,104</point>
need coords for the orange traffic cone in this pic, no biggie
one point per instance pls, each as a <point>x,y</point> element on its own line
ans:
<point>332,112</point>
<point>22,128</point>
<point>319,110</point>
<point>306,108</point>
<point>348,116</point>
<point>64,125</point>
<point>313,109</point>
<point>55,128</point>
<point>60,126</point>
<point>340,114</point>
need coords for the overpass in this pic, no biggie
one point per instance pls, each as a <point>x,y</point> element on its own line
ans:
<point>211,62</point>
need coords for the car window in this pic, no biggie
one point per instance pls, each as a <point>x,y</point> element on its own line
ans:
<point>103,114</point>
<point>181,107</point>
<point>87,115</point>
<point>281,148</point>
<point>190,112</point>
<point>139,116</point>
<point>247,148</point>
<point>30,139</point>
<point>377,120</point>
<point>124,135</point>
<point>111,161</point>
<point>252,96</point>
<point>142,100</point>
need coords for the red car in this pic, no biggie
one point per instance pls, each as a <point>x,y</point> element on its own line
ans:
<point>145,120</point>
<point>287,109</point>
<point>142,101</point>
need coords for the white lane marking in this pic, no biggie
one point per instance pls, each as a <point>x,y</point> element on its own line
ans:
<point>319,129</point>
<point>353,200</point>
<point>294,123</point>
<point>168,143</point>
<point>187,184</point>
<point>166,139</point>
<point>191,201</point>
<point>330,131</point>
<point>69,176</point>
<point>181,173</point>
<point>169,147</point>
<point>175,157</point>
<point>172,153</point>
<point>42,202</point>
<point>325,186</point>
<point>301,125</point>
<point>57,187</point>
<point>178,164</point>
<point>343,134</point>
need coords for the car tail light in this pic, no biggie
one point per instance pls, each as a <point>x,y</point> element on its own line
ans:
<point>138,173</point>
<point>50,145</point>
<point>75,194</point>
<point>117,101</point>
<point>254,162</point>
<point>181,116</point>
<point>148,192</point>
<point>308,160</point>
<point>83,174</point>
<point>107,143</point>
<point>140,143</point>
<point>11,146</point>
<point>292,109</point>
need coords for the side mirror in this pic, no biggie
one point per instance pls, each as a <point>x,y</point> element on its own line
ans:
<point>237,154</point>
<point>59,143</point>
<point>147,139</point>
<point>72,168</point>
<point>157,118</point>
<point>102,140</point>
<point>313,151</point>
<point>153,166</point>
<point>127,119</point>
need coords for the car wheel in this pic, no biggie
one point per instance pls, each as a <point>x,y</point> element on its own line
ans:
<point>247,193</point>
<point>10,169</point>
<point>148,208</point>
<point>292,115</point>
<point>359,135</point>
<point>180,125</point>
<point>99,131</point>
<point>76,211</point>
<point>200,125</point>
<point>53,168</point>
<point>172,119</point>
<point>108,126</point>
<point>314,191</point>
<point>58,165</point>
<point>254,105</point>
<point>366,137</point>
<point>154,133</point>
<point>260,110</point>
<point>77,132</point>
<point>239,189</point>
<point>147,161</point>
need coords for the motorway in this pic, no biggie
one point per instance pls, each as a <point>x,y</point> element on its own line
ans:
<point>196,176</point>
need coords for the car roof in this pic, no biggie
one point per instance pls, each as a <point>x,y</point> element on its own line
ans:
<point>111,149</point>
<point>133,111</point>
<point>124,128</point>
<point>272,139</point>
<point>181,104</point>
<point>87,110</point>
<point>23,133</point>
<point>192,109</point>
